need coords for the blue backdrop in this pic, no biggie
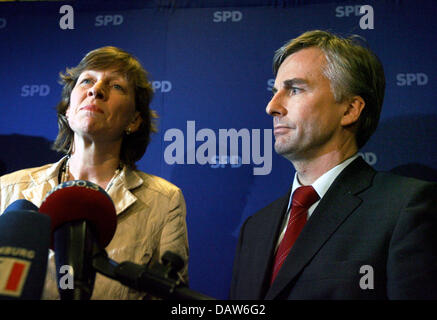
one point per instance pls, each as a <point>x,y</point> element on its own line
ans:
<point>211,67</point>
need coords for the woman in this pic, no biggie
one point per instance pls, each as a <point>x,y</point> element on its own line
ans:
<point>105,125</point>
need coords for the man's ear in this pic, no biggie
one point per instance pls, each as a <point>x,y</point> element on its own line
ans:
<point>354,107</point>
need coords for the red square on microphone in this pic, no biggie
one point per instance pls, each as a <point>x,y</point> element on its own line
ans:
<point>13,275</point>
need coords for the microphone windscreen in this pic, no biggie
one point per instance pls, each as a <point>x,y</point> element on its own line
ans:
<point>24,247</point>
<point>21,204</point>
<point>81,200</point>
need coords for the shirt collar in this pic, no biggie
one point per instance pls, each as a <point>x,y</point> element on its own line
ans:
<point>322,184</point>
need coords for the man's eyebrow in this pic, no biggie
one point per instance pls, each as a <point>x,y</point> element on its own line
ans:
<point>295,81</point>
<point>291,83</point>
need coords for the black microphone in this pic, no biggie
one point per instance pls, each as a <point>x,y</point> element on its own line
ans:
<point>160,280</point>
<point>21,204</point>
<point>83,216</point>
<point>24,248</point>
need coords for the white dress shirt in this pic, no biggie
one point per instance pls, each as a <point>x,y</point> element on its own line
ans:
<point>321,185</point>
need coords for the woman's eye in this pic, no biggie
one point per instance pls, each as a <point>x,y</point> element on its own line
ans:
<point>118,87</point>
<point>85,81</point>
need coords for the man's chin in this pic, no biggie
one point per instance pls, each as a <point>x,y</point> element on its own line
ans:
<point>289,151</point>
<point>284,151</point>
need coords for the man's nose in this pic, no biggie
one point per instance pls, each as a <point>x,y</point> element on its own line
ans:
<point>276,107</point>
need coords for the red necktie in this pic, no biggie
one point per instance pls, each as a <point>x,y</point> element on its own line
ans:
<point>303,198</point>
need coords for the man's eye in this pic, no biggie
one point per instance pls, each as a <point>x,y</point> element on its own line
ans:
<point>295,90</point>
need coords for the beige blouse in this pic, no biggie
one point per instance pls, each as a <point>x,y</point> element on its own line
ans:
<point>151,219</point>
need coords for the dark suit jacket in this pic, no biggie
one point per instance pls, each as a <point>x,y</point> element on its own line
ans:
<point>366,218</point>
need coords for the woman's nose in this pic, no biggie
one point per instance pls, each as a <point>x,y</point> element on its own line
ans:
<point>97,90</point>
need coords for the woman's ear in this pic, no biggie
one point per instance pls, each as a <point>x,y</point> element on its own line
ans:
<point>134,125</point>
<point>67,111</point>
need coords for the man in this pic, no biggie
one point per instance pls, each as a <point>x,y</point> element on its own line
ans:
<point>343,231</point>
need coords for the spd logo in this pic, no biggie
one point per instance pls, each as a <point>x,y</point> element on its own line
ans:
<point>108,20</point>
<point>411,79</point>
<point>365,11</point>
<point>13,276</point>
<point>226,16</point>
<point>161,86</point>
<point>30,90</point>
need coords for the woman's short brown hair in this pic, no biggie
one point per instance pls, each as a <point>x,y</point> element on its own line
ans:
<point>135,144</point>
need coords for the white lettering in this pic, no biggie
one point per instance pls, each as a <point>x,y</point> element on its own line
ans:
<point>31,90</point>
<point>369,157</point>
<point>221,161</point>
<point>346,11</point>
<point>256,152</point>
<point>234,136</point>
<point>249,143</point>
<point>174,153</point>
<point>366,281</point>
<point>367,21</point>
<point>223,16</point>
<point>66,281</point>
<point>17,252</point>
<point>105,20</point>
<point>67,20</point>
<point>206,150</point>
<point>199,311</point>
<point>162,86</point>
<point>270,84</point>
<point>239,309</point>
<point>409,79</point>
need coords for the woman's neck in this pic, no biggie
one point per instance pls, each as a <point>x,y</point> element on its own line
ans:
<point>94,163</point>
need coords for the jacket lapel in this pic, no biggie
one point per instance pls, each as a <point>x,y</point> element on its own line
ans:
<point>337,204</point>
<point>270,223</point>
<point>42,182</point>
<point>120,192</point>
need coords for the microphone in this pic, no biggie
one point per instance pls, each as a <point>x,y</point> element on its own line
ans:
<point>82,216</point>
<point>21,204</point>
<point>24,247</point>
<point>160,279</point>
<point>84,220</point>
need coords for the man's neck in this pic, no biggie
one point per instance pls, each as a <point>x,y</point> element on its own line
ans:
<point>308,170</point>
